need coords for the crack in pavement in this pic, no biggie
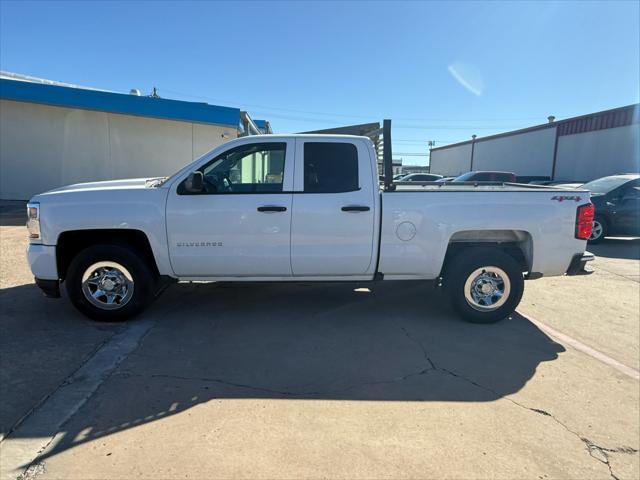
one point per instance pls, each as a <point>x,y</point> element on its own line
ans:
<point>596,451</point>
<point>419,343</point>
<point>622,275</point>
<point>287,393</point>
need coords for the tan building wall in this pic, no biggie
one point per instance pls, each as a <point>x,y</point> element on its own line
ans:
<point>44,147</point>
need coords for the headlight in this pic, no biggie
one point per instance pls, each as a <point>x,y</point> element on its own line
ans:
<point>33,220</point>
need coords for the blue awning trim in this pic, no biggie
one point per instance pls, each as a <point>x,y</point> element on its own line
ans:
<point>118,103</point>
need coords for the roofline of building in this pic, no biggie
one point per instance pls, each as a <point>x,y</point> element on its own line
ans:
<point>29,78</point>
<point>539,127</point>
<point>125,104</point>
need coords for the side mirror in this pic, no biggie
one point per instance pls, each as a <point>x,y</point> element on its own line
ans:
<point>194,183</point>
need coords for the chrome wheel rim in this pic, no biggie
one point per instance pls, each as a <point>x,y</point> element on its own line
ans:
<point>487,288</point>
<point>107,285</point>
<point>596,231</point>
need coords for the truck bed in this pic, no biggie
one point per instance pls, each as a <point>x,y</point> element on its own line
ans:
<point>417,229</point>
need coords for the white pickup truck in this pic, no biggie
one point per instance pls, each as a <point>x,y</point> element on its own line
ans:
<point>302,208</point>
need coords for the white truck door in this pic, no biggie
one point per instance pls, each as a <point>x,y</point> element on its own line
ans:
<point>240,225</point>
<point>332,228</point>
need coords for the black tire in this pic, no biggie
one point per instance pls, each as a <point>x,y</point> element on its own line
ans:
<point>462,267</point>
<point>143,279</point>
<point>604,229</point>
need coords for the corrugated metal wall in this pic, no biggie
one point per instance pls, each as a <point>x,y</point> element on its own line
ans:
<point>597,153</point>
<point>576,149</point>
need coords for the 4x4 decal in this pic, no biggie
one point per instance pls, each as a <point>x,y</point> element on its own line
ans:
<point>562,198</point>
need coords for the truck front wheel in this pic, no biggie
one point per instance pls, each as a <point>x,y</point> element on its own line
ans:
<point>109,282</point>
<point>484,285</point>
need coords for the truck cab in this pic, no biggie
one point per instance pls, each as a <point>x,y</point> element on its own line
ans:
<point>278,208</point>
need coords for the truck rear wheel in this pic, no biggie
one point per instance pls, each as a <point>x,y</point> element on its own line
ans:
<point>484,285</point>
<point>109,282</point>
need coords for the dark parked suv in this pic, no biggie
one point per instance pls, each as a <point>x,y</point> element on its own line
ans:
<point>617,206</point>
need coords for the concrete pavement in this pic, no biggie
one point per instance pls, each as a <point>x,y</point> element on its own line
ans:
<point>332,381</point>
<point>602,309</point>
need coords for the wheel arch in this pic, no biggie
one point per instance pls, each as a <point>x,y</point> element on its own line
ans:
<point>516,243</point>
<point>71,242</point>
<point>605,217</point>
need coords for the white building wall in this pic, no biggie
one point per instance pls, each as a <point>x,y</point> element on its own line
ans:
<point>205,137</point>
<point>451,162</point>
<point>590,155</point>
<point>146,147</point>
<point>44,147</point>
<point>529,153</point>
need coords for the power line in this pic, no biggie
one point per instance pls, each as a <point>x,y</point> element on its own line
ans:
<point>397,126</point>
<point>334,114</point>
<point>289,117</point>
<point>401,140</point>
<point>457,127</point>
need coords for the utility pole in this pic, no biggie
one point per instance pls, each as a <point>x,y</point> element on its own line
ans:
<point>430,144</point>
<point>473,145</point>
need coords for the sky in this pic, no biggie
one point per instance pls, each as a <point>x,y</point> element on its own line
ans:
<point>441,71</point>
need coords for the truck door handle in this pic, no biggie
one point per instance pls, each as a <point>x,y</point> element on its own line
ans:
<point>355,208</point>
<point>272,208</point>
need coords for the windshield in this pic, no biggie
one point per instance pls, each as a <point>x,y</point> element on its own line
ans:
<point>606,184</point>
<point>465,176</point>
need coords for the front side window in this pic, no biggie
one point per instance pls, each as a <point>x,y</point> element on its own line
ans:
<point>255,168</point>
<point>465,177</point>
<point>330,167</point>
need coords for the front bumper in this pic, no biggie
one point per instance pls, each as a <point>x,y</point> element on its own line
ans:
<point>579,262</point>
<point>42,262</point>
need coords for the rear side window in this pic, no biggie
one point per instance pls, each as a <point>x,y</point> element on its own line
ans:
<point>504,177</point>
<point>330,167</point>
<point>631,190</point>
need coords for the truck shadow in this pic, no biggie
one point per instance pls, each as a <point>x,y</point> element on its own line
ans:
<point>344,342</point>
<point>618,247</point>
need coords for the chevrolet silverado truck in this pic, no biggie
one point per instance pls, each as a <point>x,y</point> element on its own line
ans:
<point>302,208</point>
